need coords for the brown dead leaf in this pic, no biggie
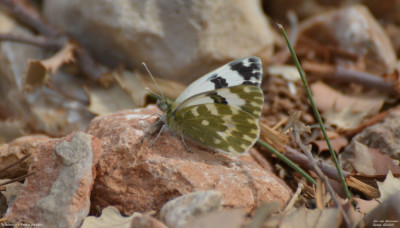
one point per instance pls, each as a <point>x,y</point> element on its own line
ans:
<point>386,214</point>
<point>389,187</point>
<point>337,144</point>
<point>37,71</point>
<point>304,218</point>
<point>344,111</point>
<point>233,218</point>
<point>10,129</point>
<point>362,207</point>
<point>103,101</point>
<point>370,161</point>
<point>263,212</point>
<point>171,89</point>
<point>132,84</point>
<point>110,217</point>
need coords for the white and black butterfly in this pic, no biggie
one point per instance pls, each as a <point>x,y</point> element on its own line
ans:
<point>221,109</point>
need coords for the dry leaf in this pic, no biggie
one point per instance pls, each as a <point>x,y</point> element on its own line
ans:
<point>370,161</point>
<point>344,111</point>
<point>287,72</point>
<point>10,129</point>
<point>110,217</point>
<point>132,84</point>
<point>263,212</point>
<point>355,214</point>
<point>103,101</point>
<point>37,71</point>
<point>233,218</point>
<point>171,89</point>
<point>386,214</point>
<point>337,144</point>
<point>304,218</point>
<point>389,187</point>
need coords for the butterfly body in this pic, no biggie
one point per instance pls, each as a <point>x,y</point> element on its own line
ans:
<point>221,109</point>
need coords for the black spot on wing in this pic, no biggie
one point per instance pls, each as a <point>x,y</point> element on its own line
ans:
<point>218,99</point>
<point>250,83</point>
<point>247,72</point>
<point>219,82</point>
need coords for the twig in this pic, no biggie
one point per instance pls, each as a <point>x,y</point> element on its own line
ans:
<point>15,163</point>
<point>32,40</point>
<point>320,174</point>
<point>28,15</point>
<point>303,161</point>
<point>341,74</point>
<point>17,179</point>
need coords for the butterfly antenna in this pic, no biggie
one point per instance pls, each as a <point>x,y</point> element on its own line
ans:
<point>152,78</point>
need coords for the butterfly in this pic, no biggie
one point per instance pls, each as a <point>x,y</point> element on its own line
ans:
<point>220,109</point>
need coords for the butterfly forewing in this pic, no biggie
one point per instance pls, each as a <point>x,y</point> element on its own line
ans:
<point>245,97</point>
<point>246,71</point>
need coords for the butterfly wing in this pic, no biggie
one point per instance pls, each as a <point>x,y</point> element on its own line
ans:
<point>245,71</point>
<point>245,97</point>
<point>223,127</point>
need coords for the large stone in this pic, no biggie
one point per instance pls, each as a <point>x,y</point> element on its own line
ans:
<point>383,136</point>
<point>17,149</point>
<point>136,175</point>
<point>177,39</point>
<point>58,192</point>
<point>355,31</point>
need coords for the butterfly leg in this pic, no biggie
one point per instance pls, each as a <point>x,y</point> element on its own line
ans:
<point>184,143</point>
<point>159,133</point>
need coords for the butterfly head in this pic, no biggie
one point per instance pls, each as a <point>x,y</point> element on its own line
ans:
<point>165,105</point>
<point>162,104</point>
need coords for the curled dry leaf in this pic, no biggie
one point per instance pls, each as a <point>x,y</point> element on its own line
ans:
<point>37,71</point>
<point>337,144</point>
<point>110,217</point>
<point>344,111</point>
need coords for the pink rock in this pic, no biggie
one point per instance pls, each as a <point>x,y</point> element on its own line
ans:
<point>58,193</point>
<point>135,176</point>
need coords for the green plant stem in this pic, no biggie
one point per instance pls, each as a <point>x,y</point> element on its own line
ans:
<point>314,107</point>
<point>287,161</point>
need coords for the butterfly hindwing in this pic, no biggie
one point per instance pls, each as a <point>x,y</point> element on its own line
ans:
<point>225,128</point>
<point>246,71</point>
